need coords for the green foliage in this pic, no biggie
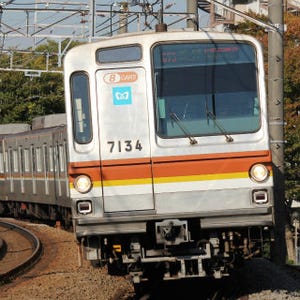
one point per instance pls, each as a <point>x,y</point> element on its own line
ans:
<point>292,149</point>
<point>292,106</point>
<point>291,95</point>
<point>21,97</point>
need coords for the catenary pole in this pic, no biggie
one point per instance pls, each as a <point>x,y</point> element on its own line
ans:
<point>276,122</point>
<point>92,20</point>
<point>192,10</point>
<point>123,16</point>
<point>275,27</point>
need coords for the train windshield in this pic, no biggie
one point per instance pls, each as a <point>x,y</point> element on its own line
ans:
<point>205,89</point>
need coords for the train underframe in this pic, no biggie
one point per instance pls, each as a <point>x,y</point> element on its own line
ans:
<point>169,251</point>
<point>36,211</point>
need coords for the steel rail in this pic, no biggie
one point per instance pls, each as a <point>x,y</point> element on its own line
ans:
<point>30,261</point>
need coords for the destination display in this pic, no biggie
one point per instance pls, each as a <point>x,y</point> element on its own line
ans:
<point>185,54</point>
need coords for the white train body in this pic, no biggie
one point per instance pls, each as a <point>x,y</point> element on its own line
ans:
<point>166,155</point>
<point>165,129</point>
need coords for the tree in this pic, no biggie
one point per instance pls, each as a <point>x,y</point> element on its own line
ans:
<point>291,94</point>
<point>292,106</point>
<point>22,98</point>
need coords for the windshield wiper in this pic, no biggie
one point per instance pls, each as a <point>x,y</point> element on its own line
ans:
<point>229,138</point>
<point>183,128</point>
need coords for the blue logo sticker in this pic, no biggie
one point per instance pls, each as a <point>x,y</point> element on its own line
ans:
<point>122,95</point>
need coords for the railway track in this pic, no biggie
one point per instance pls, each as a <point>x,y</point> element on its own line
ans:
<point>20,249</point>
<point>59,276</point>
<point>257,279</point>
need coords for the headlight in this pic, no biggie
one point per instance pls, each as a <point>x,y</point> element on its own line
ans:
<point>82,183</point>
<point>259,172</point>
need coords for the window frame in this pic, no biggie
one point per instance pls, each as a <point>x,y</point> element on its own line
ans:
<point>160,65</point>
<point>84,134</point>
<point>120,58</point>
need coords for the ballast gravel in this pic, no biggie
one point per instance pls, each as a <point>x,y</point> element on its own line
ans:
<point>61,275</point>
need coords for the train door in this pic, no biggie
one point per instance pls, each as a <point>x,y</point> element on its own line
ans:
<point>124,140</point>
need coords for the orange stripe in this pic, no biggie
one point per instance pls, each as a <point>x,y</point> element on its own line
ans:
<point>212,156</point>
<point>202,167</point>
<point>93,172</point>
<point>127,172</point>
<point>114,172</point>
<point>171,166</point>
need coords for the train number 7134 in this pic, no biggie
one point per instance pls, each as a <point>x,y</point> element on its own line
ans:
<point>127,145</point>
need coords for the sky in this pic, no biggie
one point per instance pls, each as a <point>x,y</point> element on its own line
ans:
<point>16,23</point>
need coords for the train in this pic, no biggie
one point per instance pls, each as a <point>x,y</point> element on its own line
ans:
<point>33,170</point>
<point>162,162</point>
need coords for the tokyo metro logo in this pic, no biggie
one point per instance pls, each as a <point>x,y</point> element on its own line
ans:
<point>122,95</point>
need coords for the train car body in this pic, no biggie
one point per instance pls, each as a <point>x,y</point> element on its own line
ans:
<point>169,166</point>
<point>33,169</point>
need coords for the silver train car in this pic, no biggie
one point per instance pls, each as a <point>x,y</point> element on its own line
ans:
<point>164,163</point>
<point>170,168</point>
<point>33,170</point>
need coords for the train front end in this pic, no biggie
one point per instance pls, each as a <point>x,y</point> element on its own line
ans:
<point>170,166</point>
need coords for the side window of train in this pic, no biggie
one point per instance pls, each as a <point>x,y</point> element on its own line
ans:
<point>1,162</point>
<point>10,160</point>
<point>57,159</point>
<point>80,98</point>
<point>15,161</point>
<point>62,158</point>
<point>33,162</point>
<point>6,161</point>
<point>45,158</point>
<point>26,160</point>
<point>1,158</point>
<point>51,159</point>
<point>38,160</point>
<point>21,159</point>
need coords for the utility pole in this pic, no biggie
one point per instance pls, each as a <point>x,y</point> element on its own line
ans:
<point>296,225</point>
<point>92,20</point>
<point>123,22</point>
<point>276,122</point>
<point>192,10</point>
<point>275,27</point>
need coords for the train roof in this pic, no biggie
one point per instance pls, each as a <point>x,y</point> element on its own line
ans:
<point>183,33</point>
<point>49,121</point>
<point>210,33</point>
<point>151,32</point>
<point>13,128</point>
<point>41,122</point>
<point>74,58</point>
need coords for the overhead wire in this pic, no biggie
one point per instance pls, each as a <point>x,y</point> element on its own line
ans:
<point>147,14</point>
<point>1,32</point>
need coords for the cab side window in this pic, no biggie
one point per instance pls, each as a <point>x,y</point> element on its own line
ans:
<point>80,98</point>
